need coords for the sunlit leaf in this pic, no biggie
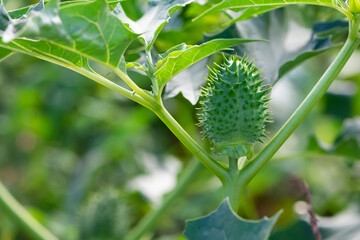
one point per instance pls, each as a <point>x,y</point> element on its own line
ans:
<point>253,12</point>
<point>5,20</point>
<point>289,44</point>
<point>238,4</point>
<point>153,20</point>
<point>69,34</point>
<point>179,59</point>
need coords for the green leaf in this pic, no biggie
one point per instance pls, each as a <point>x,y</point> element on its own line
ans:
<point>5,20</point>
<point>252,12</point>
<point>239,4</point>
<point>69,34</point>
<point>289,45</point>
<point>272,56</point>
<point>178,60</point>
<point>346,144</point>
<point>17,13</point>
<point>4,53</point>
<point>158,14</point>
<point>189,82</point>
<point>173,51</point>
<point>224,224</point>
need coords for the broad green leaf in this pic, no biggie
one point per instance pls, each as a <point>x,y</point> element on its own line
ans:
<point>272,56</point>
<point>17,13</point>
<point>5,20</point>
<point>158,14</point>
<point>178,60</point>
<point>289,44</point>
<point>4,53</point>
<point>238,4</point>
<point>181,28</point>
<point>70,34</point>
<point>224,224</point>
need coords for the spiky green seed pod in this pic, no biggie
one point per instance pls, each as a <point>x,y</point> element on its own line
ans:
<point>234,107</point>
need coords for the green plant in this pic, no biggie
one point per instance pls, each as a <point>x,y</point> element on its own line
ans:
<point>72,34</point>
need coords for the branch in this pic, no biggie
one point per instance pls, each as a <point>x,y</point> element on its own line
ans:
<point>91,75</point>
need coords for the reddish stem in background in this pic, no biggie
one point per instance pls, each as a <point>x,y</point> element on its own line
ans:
<point>313,219</point>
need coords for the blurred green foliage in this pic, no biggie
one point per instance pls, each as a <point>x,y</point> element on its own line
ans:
<point>71,150</point>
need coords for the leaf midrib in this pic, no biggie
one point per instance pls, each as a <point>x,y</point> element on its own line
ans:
<point>317,3</point>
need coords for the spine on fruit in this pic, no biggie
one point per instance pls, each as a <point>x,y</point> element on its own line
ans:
<point>234,107</point>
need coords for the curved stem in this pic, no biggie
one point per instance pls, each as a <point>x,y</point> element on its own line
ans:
<point>151,218</point>
<point>305,107</point>
<point>194,147</point>
<point>22,217</point>
<point>91,75</point>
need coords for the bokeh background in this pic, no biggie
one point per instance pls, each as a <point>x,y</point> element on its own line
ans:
<point>88,163</point>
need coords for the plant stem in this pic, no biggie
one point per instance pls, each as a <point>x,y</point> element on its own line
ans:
<point>352,42</point>
<point>151,218</point>
<point>205,159</point>
<point>219,170</point>
<point>233,165</point>
<point>85,72</point>
<point>142,93</point>
<point>231,184</point>
<point>233,191</point>
<point>111,85</point>
<point>22,217</point>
